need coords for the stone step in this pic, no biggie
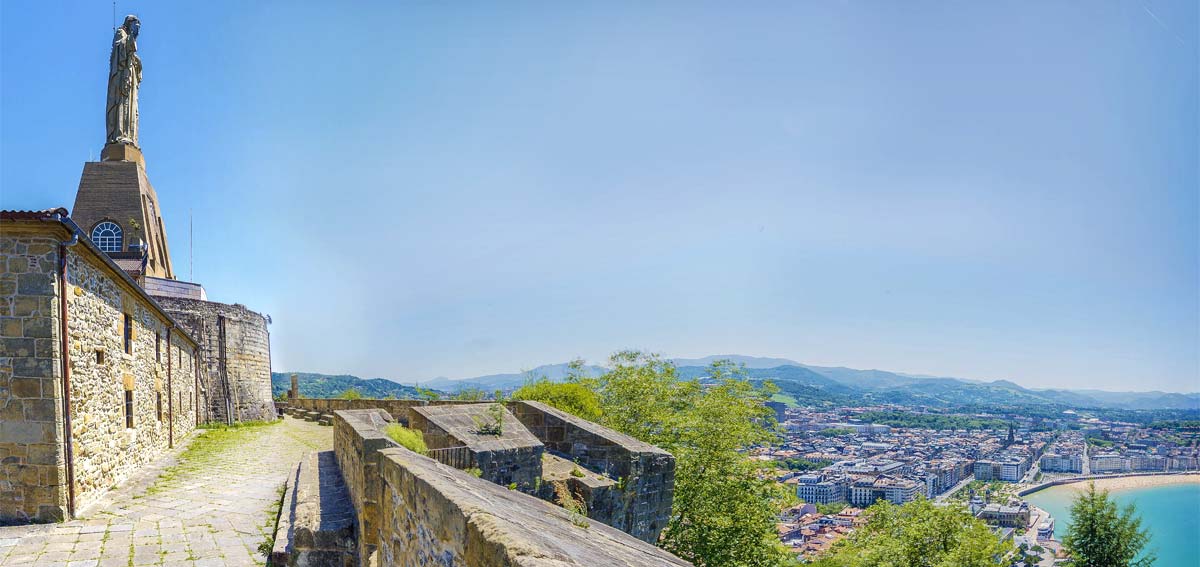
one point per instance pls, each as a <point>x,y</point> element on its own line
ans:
<point>316,521</point>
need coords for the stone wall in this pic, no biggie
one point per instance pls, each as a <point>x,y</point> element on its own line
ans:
<point>512,457</point>
<point>357,439</point>
<point>397,409</point>
<point>32,475</point>
<point>414,511</point>
<point>159,372</point>
<point>235,349</point>
<point>644,474</point>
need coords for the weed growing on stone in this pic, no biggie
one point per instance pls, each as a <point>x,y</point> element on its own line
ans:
<point>573,504</point>
<point>272,523</point>
<point>494,424</point>
<point>410,439</point>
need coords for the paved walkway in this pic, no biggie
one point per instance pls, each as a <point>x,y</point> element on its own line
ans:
<point>212,504</point>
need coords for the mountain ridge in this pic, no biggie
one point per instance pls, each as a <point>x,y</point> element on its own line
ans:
<point>830,383</point>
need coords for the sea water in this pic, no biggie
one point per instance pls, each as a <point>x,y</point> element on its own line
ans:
<point>1171,513</point>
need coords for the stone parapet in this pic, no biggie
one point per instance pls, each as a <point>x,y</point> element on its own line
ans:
<point>513,456</point>
<point>398,409</point>
<point>644,474</point>
<point>414,511</point>
<point>357,439</point>
<point>434,514</point>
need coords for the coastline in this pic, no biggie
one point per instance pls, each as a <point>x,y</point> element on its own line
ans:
<point>1119,482</point>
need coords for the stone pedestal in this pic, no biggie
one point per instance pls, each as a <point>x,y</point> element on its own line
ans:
<point>118,191</point>
<point>122,152</point>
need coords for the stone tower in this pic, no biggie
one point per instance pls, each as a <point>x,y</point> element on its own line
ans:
<point>118,209</point>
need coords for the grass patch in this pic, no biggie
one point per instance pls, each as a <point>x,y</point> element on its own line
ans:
<point>203,450</point>
<point>237,425</point>
<point>410,439</point>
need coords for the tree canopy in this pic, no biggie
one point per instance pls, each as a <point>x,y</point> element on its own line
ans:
<point>724,512</point>
<point>917,534</point>
<point>1102,535</point>
<point>572,397</point>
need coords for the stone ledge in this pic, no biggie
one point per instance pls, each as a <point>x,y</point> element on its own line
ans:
<point>464,520</point>
<point>316,522</point>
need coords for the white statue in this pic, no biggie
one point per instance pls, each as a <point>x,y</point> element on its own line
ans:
<point>124,76</point>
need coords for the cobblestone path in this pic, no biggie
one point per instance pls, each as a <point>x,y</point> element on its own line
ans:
<point>210,505</point>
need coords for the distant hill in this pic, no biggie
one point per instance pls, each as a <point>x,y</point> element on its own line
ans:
<point>509,381</point>
<point>804,383</point>
<point>747,361</point>
<point>313,385</point>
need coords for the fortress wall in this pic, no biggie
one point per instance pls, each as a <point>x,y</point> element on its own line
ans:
<point>32,477</point>
<point>398,409</point>
<point>235,348</point>
<point>645,473</point>
<point>416,511</point>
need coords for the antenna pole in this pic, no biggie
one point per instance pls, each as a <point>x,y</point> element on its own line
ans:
<point>191,247</point>
<point>114,15</point>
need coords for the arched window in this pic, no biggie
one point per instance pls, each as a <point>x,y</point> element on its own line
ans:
<point>107,236</point>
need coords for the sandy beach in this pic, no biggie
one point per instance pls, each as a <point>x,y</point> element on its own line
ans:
<point>1139,481</point>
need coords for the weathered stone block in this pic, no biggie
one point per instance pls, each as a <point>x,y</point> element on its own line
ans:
<point>27,387</point>
<point>27,432</point>
<point>33,367</point>
<point>11,327</point>
<point>38,327</point>
<point>16,347</point>
<point>41,409</point>
<point>35,284</point>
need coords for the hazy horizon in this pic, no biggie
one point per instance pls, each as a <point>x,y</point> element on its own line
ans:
<point>979,190</point>
<point>603,362</point>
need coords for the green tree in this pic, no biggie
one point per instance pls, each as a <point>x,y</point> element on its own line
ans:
<point>1101,535</point>
<point>427,394</point>
<point>724,513</point>
<point>917,534</point>
<point>572,397</point>
<point>350,394</point>
<point>468,395</point>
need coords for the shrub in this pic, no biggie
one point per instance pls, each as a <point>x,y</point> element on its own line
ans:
<point>410,439</point>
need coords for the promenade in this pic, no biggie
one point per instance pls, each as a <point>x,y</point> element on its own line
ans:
<point>211,503</point>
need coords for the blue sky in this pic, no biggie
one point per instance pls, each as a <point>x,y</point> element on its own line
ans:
<point>984,189</point>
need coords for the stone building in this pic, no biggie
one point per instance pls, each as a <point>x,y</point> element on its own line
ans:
<point>96,378</point>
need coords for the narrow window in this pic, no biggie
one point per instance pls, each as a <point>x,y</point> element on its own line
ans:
<point>129,409</point>
<point>158,404</point>
<point>157,347</point>
<point>128,334</point>
<point>99,356</point>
